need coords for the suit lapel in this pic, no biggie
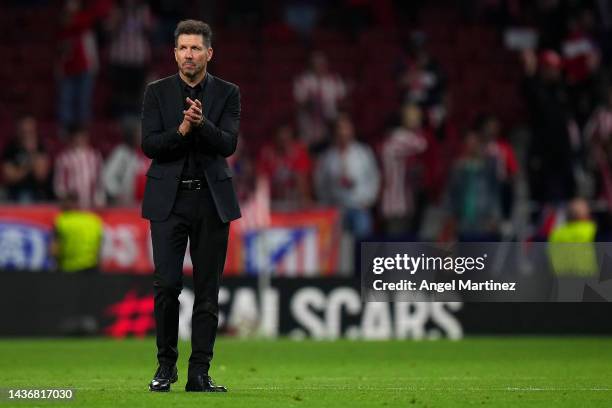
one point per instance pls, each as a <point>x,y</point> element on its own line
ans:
<point>209,95</point>
<point>177,95</point>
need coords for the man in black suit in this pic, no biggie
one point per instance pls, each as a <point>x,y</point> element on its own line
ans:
<point>190,125</point>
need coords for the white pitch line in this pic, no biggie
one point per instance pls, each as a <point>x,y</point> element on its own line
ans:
<point>347,388</point>
<point>416,378</point>
<point>359,388</point>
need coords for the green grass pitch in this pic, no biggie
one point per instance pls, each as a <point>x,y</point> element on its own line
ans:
<point>476,372</point>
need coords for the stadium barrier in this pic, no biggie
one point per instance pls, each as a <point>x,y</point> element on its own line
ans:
<point>295,244</point>
<point>120,305</point>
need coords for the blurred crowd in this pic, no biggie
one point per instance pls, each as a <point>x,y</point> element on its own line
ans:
<point>424,176</point>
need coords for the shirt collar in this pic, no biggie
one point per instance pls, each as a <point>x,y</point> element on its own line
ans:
<point>198,87</point>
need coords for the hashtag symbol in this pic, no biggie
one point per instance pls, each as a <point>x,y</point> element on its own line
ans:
<point>133,315</point>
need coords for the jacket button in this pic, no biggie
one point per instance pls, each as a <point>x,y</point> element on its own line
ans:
<point>178,178</point>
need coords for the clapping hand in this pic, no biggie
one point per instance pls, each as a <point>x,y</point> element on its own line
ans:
<point>192,116</point>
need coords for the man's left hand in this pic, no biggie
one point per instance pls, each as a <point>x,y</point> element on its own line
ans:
<point>194,113</point>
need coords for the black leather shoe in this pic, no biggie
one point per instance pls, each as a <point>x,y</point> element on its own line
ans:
<point>164,376</point>
<point>203,383</point>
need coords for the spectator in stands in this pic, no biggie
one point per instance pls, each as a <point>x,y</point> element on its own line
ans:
<point>26,165</point>
<point>78,169</point>
<point>287,165</point>
<point>78,62</point>
<point>420,79</point>
<point>347,176</point>
<point>554,136</point>
<point>124,172</point>
<point>318,93</point>
<point>473,193</point>
<point>598,137</point>
<point>401,171</point>
<point>502,153</point>
<point>77,238</point>
<point>581,61</point>
<point>130,25</point>
<point>443,143</point>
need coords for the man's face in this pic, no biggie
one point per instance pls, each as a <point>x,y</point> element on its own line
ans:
<point>191,54</point>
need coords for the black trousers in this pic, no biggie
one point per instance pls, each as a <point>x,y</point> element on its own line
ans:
<point>193,216</point>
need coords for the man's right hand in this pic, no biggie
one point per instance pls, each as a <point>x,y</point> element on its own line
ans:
<point>191,114</point>
<point>184,127</point>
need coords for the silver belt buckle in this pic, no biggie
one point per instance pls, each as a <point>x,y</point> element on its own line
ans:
<point>192,184</point>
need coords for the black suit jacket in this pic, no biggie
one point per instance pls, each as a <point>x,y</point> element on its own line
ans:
<point>214,141</point>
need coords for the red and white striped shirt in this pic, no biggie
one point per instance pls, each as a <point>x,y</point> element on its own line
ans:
<point>79,170</point>
<point>397,194</point>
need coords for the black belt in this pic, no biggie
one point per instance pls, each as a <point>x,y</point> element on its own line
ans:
<point>195,184</point>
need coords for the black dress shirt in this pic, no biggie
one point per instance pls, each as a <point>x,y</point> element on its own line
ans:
<point>193,168</point>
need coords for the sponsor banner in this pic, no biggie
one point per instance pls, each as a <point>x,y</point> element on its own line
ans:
<point>295,244</point>
<point>486,272</point>
<point>121,305</point>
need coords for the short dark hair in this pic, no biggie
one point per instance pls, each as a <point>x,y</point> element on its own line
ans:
<point>194,27</point>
